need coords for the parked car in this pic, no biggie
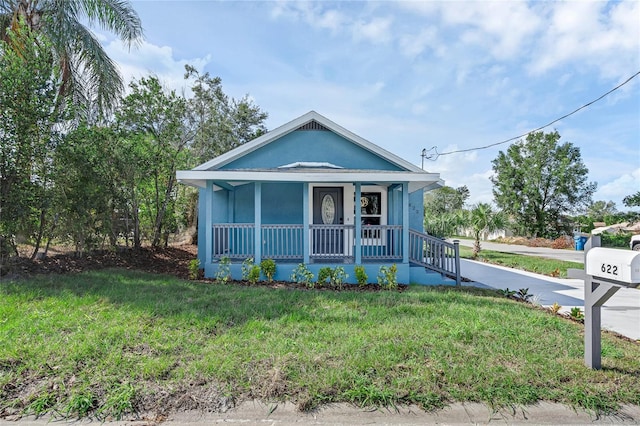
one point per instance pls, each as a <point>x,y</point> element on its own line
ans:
<point>634,244</point>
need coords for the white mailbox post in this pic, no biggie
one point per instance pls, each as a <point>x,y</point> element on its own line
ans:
<point>607,270</point>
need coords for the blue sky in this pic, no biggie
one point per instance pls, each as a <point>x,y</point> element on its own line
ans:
<point>414,75</point>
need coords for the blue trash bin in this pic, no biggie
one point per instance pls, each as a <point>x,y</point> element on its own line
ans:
<point>579,242</point>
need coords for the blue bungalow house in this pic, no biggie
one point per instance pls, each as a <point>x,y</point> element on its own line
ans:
<point>312,192</point>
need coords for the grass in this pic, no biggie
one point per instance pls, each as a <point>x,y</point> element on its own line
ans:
<point>539,265</point>
<point>107,343</point>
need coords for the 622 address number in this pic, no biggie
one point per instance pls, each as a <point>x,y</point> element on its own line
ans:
<point>609,269</point>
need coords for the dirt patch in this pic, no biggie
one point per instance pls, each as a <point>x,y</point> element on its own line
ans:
<point>167,260</point>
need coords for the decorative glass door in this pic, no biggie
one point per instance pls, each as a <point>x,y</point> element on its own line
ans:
<point>328,214</point>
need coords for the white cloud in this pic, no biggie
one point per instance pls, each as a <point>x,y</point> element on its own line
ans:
<point>377,30</point>
<point>620,187</point>
<point>149,59</point>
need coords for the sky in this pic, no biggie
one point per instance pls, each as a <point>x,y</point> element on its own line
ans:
<point>412,75</point>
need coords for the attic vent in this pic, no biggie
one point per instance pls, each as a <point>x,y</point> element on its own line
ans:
<point>312,125</point>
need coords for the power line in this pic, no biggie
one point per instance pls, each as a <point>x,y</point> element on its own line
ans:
<point>437,154</point>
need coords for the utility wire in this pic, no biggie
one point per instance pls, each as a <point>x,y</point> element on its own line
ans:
<point>438,154</point>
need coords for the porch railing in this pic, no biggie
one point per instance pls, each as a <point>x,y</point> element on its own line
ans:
<point>326,242</point>
<point>282,242</point>
<point>435,254</point>
<point>233,240</point>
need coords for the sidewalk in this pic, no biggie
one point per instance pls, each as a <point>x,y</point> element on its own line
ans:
<point>621,313</point>
<point>257,413</point>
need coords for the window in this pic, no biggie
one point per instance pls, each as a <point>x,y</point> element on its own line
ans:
<point>371,213</point>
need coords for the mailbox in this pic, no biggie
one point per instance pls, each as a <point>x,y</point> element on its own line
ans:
<point>619,266</point>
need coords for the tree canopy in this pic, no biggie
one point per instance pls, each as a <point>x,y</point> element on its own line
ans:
<point>538,181</point>
<point>88,75</point>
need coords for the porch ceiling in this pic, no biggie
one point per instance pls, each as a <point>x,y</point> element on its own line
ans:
<point>416,180</point>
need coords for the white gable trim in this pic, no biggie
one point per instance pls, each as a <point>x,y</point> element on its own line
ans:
<point>293,125</point>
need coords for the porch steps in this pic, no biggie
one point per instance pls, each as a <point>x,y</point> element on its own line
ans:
<point>420,275</point>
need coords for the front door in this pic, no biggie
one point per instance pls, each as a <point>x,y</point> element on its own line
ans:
<point>328,210</point>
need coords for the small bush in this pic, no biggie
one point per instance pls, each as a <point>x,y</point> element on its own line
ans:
<point>555,308</point>
<point>302,275</point>
<point>247,265</point>
<point>324,275</point>
<point>524,295</point>
<point>268,267</point>
<point>338,277</point>
<point>387,277</point>
<point>223,274</point>
<point>361,275</point>
<point>620,240</point>
<point>576,313</point>
<point>194,269</point>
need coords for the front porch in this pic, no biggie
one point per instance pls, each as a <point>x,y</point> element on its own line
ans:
<point>336,245</point>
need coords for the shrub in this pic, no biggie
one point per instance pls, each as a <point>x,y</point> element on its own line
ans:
<point>247,265</point>
<point>619,240</point>
<point>302,275</point>
<point>324,275</point>
<point>194,269</point>
<point>361,275</point>
<point>268,267</point>
<point>576,313</point>
<point>524,295</point>
<point>387,277</point>
<point>555,308</point>
<point>338,277</point>
<point>223,274</point>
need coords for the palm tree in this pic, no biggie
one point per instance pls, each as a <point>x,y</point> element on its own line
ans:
<point>88,75</point>
<point>482,218</point>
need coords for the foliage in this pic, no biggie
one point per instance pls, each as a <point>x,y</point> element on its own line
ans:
<point>223,273</point>
<point>523,294</point>
<point>88,75</point>
<point>617,240</point>
<point>538,181</point>
<point>576,313</point>
<point>324,275</point>
<point>338,277</point>
<point>632,200</point>
<point>156,119</point>
<point>555,308</point>
<point>268,267</point>
<point>506,292</point>
<point>361,275</point>
<point>600,210</point>
<point>483,219</point>
<point>387,277</point>
<point>301,274</point>
<point>28,134</point>
<point>194,269</point>
<point>442,210</point>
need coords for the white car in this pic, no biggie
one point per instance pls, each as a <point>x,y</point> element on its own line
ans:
<point>634,244</point>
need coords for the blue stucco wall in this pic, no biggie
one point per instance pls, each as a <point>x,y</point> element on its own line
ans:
<point>311,146</point>
<point>282,203</point>
<point>243,204</point>
<point>416,210</point>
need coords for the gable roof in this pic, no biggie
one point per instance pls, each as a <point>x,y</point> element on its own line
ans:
<point>212,171</point>
<point>307,120</point>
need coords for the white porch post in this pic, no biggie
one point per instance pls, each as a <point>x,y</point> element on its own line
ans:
<point>208,225</point>
<point>257,220</point>
<point>305,223</point>
<point>405,222</point>
<point>358,224</point>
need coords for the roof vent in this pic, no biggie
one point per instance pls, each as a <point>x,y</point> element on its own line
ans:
<point>309,165</point>
<point>312,125</point>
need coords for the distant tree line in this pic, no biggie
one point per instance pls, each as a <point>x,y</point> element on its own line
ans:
<point>540,189</point>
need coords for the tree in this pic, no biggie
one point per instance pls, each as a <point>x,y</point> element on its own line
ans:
<point>220,123</point>
<point>538,181</point>
<point>442,210</point>
<point>28,116</point>
<point>600,210</point>
<point>156,122</point>
<point>87,74</point>
<point>483,219</point>
<point>632,200</point>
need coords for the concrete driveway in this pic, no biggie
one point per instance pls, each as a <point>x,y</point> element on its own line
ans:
<point>621,313</point>
<point>558,254</point>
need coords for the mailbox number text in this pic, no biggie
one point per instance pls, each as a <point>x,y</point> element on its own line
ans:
<point>609,269</point>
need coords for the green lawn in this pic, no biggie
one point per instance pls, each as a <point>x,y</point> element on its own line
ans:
<point>539,265</point>
<point>112,342</point>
